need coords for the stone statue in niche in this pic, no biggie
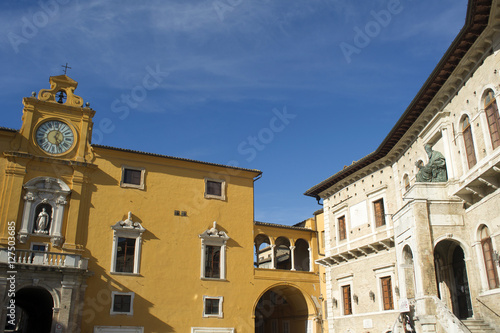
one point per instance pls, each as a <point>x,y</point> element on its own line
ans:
<point>42,222</point>
<point>435,170</point>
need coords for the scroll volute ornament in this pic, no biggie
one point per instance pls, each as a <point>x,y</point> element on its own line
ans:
<point>61,91</point>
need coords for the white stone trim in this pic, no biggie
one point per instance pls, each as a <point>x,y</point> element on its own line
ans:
<point>118,329</point>
<point>346,280</point>
<point>222,187</point>
<point>221,312</point>
<point>122,180</point>
<point>115,293</point>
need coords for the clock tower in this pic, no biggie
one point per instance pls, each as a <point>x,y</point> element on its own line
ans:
<point>51,151</point>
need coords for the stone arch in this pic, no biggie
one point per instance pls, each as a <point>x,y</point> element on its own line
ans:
<point>452,277</point>
<point>263,251</point>
<point>34,310</point>
<point>301,257</point>
<point>282,253</point>
<point>408,267</point>
<point>284,304</point>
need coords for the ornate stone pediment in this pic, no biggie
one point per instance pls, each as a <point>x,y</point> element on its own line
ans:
<point>213,234</point>
<point>128,226</point>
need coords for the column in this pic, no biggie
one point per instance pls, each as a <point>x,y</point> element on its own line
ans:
<point>292,257</point>
<point>273,257</point>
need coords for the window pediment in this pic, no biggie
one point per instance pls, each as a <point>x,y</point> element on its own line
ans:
<point>128,227</point>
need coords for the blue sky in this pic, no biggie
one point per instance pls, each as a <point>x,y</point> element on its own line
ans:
<point>297,89</point>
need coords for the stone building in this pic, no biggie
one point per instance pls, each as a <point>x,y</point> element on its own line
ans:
<point>98,239</point>
<point>414,227</point>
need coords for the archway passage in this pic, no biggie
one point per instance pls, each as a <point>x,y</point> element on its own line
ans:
<point>281,309</point>
<point>33,311</point>
<point>451,274</point>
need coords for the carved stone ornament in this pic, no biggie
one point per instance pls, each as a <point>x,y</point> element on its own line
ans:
<point>214,233</point>
<point>128,226</point>
<point>61,85</point>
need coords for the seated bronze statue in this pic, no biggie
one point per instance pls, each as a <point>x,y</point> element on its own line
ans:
<point>435,170</point>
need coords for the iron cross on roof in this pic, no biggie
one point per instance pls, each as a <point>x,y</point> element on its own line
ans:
<point>66,67</point>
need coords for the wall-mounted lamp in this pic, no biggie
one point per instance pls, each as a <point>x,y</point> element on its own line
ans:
<point>396,290</point>
<point>321,297</point>
<point>334,301</point>
<point>355,298</point>
<point>496,257</point>
<point>372,295</point>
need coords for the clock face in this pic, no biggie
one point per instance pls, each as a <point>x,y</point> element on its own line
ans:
<point>54,137</point>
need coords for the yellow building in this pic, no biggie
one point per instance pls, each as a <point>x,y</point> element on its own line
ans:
<point>103,240</point>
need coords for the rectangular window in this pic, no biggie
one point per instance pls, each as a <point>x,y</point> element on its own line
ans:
<point>387,293</point>
<point>378,208</point>
<point>132,177</point>
<point>122,303</point>
<point>214,189</point>
<point>342,229</point>
<point>125,253</point>
<point>212,306</point>
<point>346,296</point>
<point>286,326</point>
<point>212,262</point>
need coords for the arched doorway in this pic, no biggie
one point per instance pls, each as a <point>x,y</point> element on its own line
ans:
<point>281,309</point>
<point>33,311</point>
<point>451,276</point>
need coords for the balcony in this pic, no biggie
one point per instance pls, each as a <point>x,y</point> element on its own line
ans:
<point>43,259</point>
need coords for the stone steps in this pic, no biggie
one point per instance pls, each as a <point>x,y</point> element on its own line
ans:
<point>478,326</point>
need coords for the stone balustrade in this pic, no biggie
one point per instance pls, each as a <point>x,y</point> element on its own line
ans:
<point>42,258</point>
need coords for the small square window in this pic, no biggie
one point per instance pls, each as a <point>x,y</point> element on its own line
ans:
<point>215,189</point>
<point>122,303</point>
<point>132,177</point>
<point>212,306</point>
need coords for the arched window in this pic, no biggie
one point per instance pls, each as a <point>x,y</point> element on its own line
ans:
<point>491,109</point>
<point>301,257</point>
<point>406,182</point>
<point>469,144</point>
<point>491,270</point>
<point>282,254</point>
<point>263,257</point>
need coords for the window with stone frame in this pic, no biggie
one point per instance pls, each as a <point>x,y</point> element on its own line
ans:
<point>215,189</point>
<point>489,262</point>
<point>342,228</point>
<point>406,182</point>
<point>346,300</point>
<point>468,142</point>
<point>493,118</point>
<point>212,306</point>
<point>132,177</point>
<point>378,209</point>
<point>122,303</point>
<point>213,253</point>
<point>127,245</point>
<point>387,293</point>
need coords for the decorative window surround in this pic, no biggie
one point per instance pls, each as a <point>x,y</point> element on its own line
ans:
<point>138,186</point>
<point>214,237</point>
<point>387,270</point>
<point>127,229</point>
<point>49,192</point>
<point>219,300</point>
<point>118,329</point>
<point>212,330</point>
<point>222,195</point>
<point>117,293</point>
